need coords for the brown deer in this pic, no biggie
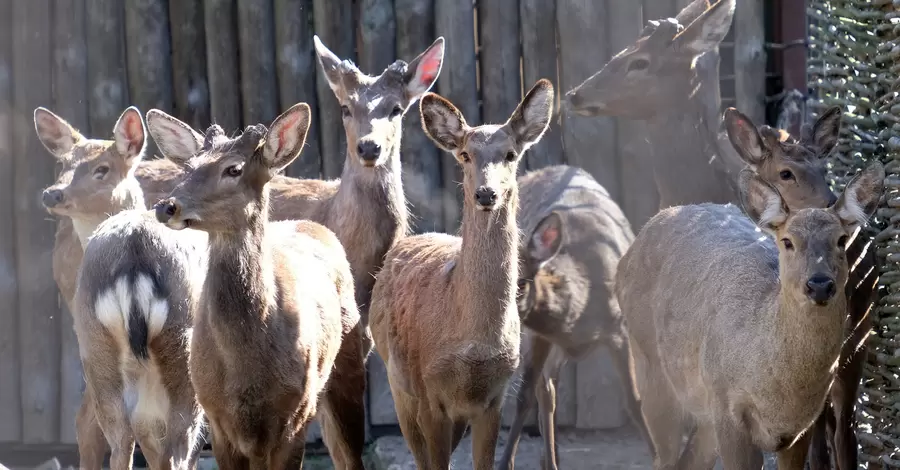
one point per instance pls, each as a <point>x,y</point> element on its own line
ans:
<point>577,235</point>
<point>443,307</point>
<point>278,323</point>
<point>135,296</point>
<point>735,332</point>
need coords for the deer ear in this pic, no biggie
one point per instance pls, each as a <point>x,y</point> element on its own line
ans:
<point>761,201</point>
<point>442,122</point>
<point>825,131</point>
<point>532,117</point>
<point>707,31</point>
<point>175,139</point>
<point>331,65</point>
<point>546,239</point>
<point>130,136</point>
<point>744,137</point>
<point>861,196</point>
<point>58,137</point>
<point>286,137</point>
<point>423,71</point>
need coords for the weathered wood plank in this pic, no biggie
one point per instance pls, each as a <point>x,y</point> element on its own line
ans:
<point>10,390</point>
<point>421,159</point>
<point>600,399</point>
<point>39,315</point>
<point>148,54</point>
<point>223,67</point>
<point>589,142</point>
<point>189,81</point>
<point>335,27</point>
<point>108,95</point>
<point>296,65</point>
<point>377,28</point>
<point>659,9</point>
<point>499,56</point>
<point>70,86</point>
<point>259,87</point>
<point>455,21</point>
<point>639,199</point>
<point>538,25</point>
<point>750,59</point>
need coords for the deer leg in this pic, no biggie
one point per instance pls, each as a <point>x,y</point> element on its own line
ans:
<point>843,398</point>
<point>525,398</point>
<point>459,431</point>
<point>92,443</point>
<point>485,430</point>
<point>660,411</point>
<point>406,415</point>
<point>700,451</point>
<point>794,457</point>
<point>181,437</point>
<point>620,351</point>
<point>226,455</point>
<point>105,383</point>
<point>438,431</point>
<point>287,455</point>
<point>818,449</point>
<point>546,395</point>
<point>344,410</point>
<point>736,448</point>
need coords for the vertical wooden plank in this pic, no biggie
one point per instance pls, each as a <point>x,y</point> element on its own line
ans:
<point>454,20</point>
<point>335,27</point>
<point>501,84</point>
<point>599,394</point>
<point>189,82</point>
<point>70,86</point>
<point>38,309</point>
<point>421,159</point>
<point>148,53</point>
<point>538,24</point>
<point>10,408</point>
<point>659,9</point>
<point>750,59</point>
<point>377,28</point>
<point>791,26</point>
<point>222,65</point>
<point>296,65</point>
<point>259,88</point>
<point>108,95</point>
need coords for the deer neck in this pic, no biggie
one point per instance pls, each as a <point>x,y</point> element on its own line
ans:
<point>485,279</point>
<point>127,195</point>
<point>241,280</point>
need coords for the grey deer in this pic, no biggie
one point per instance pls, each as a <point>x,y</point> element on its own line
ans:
<point>136,294</point>
<point>443,312</point>
<point>278,327</point>
<point>736,332</point>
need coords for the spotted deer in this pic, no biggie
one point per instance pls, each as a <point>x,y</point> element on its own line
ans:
<point>135,296</point>
<point>739,332</point>
<point>443,307</point>
<point>278,325</point>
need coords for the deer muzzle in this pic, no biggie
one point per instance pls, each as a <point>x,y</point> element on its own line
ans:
<point>165,210</point>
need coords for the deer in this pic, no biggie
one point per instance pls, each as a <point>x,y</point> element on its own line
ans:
<point>278,326</point>
<point>135,295</point>
<point>575,235</point>
<point>736,332</point>
<point>443,312</point>
<point>661,80</point>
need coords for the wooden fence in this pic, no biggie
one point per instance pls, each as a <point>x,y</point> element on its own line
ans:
<point>237,62</point>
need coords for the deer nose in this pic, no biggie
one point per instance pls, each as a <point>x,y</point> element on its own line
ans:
<point>51,197</point>
<point>165,210</point>
<point>820,288</point>
<point>486,197</point>
<point>368,150</point>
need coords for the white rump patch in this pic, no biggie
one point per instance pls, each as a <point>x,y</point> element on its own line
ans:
<point>113,306</point>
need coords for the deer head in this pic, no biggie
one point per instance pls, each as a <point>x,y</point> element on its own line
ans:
<point>224,190</point>
<point>795,168</point>
<point>489,154</point>
<point>811,242</point>
<point>373,107</point>
<point>657,71</point>
<point>538,285</point>
<point>90,181</point>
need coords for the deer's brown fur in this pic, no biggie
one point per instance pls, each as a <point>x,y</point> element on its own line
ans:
<point>278,324</point>
<point>443,309</point>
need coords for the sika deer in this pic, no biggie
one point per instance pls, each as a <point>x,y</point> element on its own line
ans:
<point>278,324</point>
<point>135,296</point>
<point>443,307</point>
<point>734,332</point>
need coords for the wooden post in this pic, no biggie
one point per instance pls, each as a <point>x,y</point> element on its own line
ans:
<point>189,79</point>
<point>39,314</point>
<point>455,21</point>
<point>499,56</point>
<point>539,60</point>
<point>10,401</point>
<point>220,24</point>
<point>335,27</point>
<point>259,88</point>
<point>750,59</point>
<point>421,159</point>
<point>659,9</point>
<point>70,86</point>
<point>792,27</point>
<point>296,65</point>
<point>108,95</point>
<point>377,28</point>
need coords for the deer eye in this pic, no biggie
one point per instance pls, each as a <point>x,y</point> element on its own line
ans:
<point>233,171</point>
<point>396,111</point>
<point>788,245</point>
<point>345,111</point>
<point>511,156</point>
<point>786,175</point>
<point>638,64</point>
<point>842,242</point>
<point>100,172</point>
<point>465,157</point>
